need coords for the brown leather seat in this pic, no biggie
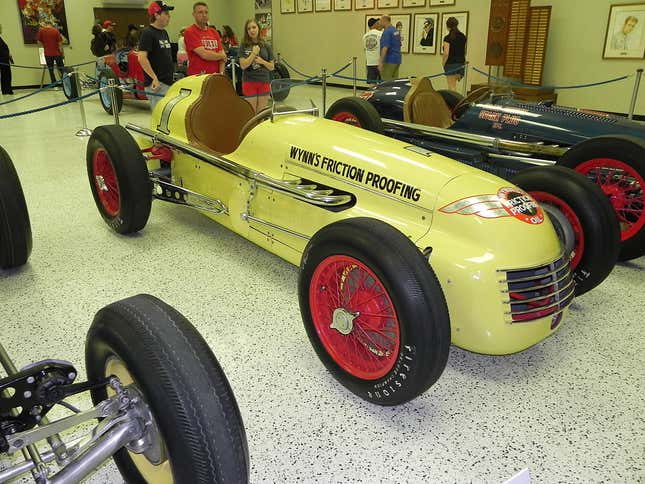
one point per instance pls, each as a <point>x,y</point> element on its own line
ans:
<point>424,105</point>
<point>216,119</point>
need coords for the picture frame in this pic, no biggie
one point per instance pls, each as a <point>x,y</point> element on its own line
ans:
<point>305,6</point>
<point>340,5</point>
<point>48,10</point>
<point>413,3</point>
<point>625,33</point>
<point>462,17</point>
<point>441,3</point>
<point>404,28</point>
<point>287,6</point>
<point>388,3</point>
<point>424,38</point>
<point>263,4</point>
<point>364,4</point>
<point>322,5</point>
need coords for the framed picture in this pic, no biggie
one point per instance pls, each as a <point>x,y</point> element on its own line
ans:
<point>402,24</point>
<point>342,4</point>
<point>287,6</point>
<point>363,4</point>
<point>625,37</point>
<point>263,4</point>
<point>305,6</point>
<point>265,22</point>
<point>462,18</point>
<point>50,11</point>
<point>426,26</point>
<point>414,3</point>
<point>323,5</point>
<point>440,3</point>
<point>388,3</point>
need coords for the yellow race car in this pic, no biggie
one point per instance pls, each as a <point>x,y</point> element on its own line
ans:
<point>401,251</point>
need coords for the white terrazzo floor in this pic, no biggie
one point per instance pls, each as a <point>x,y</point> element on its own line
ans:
<point>570,409</point>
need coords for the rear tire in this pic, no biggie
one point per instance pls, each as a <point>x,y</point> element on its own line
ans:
<point>70,88</point>
<point>15,229</point>
<point>183,385</point>
<point>586,208</point>
<point>104,95</point>
<point>280,82</point>
<point>617,165</point>
<point>357,112</point>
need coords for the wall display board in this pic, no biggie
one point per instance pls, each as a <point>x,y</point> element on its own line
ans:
<point>388,3</point>
<point>305,6</point>
<point>439,3</point>
<point>414,3</point>
<point>287,6</point>
<point>625,36</point>
<point>498,30</point>
<point>323,5</point>
<point>364,4</point>
<point>462,18</point>
<point>424,40</point>
<point>342,4</point>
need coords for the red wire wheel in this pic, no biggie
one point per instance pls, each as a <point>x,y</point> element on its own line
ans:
<point>625,188</point>
<point>570,214</point>
<point>354,317</point>
<point>357,112</point>
<point>107,185</point>
<point>347,118</point>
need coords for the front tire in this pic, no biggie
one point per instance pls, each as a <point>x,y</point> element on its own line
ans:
<point>617,165</point>
<point>119,180</point>
<point>374,310</point>
<point>570,198</point>
<point>15,229</point>
<point>280,82</point>
<point>357,112</point>
<point>105,96</point>
<point>70,88</point>
<point>150,345</point>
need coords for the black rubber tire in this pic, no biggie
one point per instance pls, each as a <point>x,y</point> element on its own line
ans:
<point>70,88</point>
<point>280,82</point>
<point>104,96</point>
<point>182,383</point>
<point>15,229</point>
<point>626,149</point>
<point>595,213</point>
<point>135,188</point>
<point>452,98</point>
<point>366,114</point>
<point>416,296</point>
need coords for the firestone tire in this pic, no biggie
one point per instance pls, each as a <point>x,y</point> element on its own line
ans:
<point>104,95</point>
<point>119,180</point>
<point>357,112</point>
<point>617,165</point>
<point>374,310</point>
<point>280,82</point>
<point>15,229</point>
<point>589,213</point>
<point>70,88</point>
<point>181,381</point>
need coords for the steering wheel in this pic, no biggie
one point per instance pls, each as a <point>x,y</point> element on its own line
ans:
<point>475,96</point>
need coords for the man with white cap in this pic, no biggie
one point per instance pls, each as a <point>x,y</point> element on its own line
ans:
<point>155,53</point>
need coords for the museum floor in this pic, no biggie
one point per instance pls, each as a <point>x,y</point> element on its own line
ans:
<point>570,409</point>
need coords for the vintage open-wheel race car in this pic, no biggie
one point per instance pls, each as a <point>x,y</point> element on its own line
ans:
<point>505,137</point>
<point>394,243</point>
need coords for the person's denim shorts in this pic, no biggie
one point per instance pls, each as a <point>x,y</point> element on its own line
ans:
<point>454,69</point>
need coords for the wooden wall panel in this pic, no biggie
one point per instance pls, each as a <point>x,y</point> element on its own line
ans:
<point>516,38</point>
<point>535,50</point>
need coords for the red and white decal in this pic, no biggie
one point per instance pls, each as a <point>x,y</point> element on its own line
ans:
<point>507,202</point>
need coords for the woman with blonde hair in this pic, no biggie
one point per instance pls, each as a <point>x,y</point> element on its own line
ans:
<point>256,60</point>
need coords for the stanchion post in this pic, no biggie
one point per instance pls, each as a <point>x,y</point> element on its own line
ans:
<point>279,58</point>
<point>637,83</point>
<point>76,79</point>
<point>115,108</point>
<point>354,74</point>
<point>234,73</point>
<point>323,75</point>
<point>465,87</point>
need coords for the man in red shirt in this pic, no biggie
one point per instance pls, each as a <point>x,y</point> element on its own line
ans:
<point>204,46</point>
<point>51,39</point>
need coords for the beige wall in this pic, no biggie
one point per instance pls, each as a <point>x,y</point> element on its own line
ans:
<point>330,39</point>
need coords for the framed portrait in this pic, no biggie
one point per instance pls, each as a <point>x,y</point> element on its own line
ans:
<point>342,4</point>
<point>305,6</point>
<point>31,16</point>
<point>287,6</point>
<point>265,22</point>
<point>402,24</point>
<point>388,3</point>
<point>625,37</point>
<point>414,3</point>
<point>364,4</point>
<point>440,3</point>
<point>424,38</point>
<point>462,18</point>
<point>323,5</point>
<point>263,4</point>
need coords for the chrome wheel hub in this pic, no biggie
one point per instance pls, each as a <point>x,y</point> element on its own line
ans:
<point>343,321</point>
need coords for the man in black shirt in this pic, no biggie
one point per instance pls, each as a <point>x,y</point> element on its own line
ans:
<point>155,54</point>
<point>5,67</point>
